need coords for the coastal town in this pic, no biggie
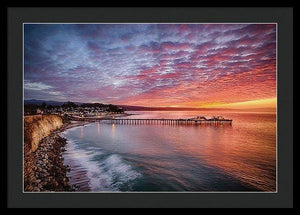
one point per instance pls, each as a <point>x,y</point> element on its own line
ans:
<point>73,110</point>
<point>97,111</point>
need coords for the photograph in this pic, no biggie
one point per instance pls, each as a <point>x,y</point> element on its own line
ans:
<point>149,107</point>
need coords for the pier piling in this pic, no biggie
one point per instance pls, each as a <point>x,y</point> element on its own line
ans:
<point>191,121</point>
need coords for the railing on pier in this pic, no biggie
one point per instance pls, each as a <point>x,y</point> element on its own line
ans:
<point>191,121</point>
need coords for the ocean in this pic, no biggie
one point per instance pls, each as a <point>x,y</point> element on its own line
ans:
<point>107,157</point>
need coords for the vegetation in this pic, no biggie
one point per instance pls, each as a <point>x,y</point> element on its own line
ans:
<point>99,105</point>
<point>31,109</point>
<point>115,109</point>
<point>69,105</point>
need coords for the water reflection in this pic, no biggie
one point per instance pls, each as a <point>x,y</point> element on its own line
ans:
<point>208,157</point>
<point>113,128</point>
<point>98,128</point>
<point>81,131</point>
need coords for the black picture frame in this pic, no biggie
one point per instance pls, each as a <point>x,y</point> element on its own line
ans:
<point>16,16</point>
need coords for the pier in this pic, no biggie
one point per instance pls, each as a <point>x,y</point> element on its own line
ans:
<point>127,121</point>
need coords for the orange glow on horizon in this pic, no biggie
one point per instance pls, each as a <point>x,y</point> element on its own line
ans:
<point>268,103</point>
<point>259,103</point>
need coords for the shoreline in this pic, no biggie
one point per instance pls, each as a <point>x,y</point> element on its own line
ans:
<point>49,169</point>
<point>107,116</point>
<point>71,124</point>
<point>49,172</point>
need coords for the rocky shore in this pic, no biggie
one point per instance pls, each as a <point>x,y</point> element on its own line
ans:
<point>44,168</point>
<point>49,170</point>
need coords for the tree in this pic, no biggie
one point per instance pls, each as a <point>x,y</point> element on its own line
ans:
<point>69,105</point>
<point>43,105</point>
<point>115,109</point>
<point>30,109</point>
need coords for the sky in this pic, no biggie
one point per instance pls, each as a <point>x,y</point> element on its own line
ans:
<point>155,65</point>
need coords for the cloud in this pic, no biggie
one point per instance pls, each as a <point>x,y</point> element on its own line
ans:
<point>35,86</point>
<point>161,64</point>
<point>94,47</point>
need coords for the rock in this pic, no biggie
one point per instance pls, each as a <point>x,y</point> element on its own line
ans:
<point>29,188</point>
<point>49,170</point>
<point>44,183</point>
<point>36,189</point>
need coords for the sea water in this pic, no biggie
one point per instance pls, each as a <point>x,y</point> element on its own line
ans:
<point>167,157</point>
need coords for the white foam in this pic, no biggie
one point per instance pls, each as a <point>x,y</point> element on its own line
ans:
<point>83,158</point>
<point>118,170</point>
<point>104,175</point>
<point>69,129</point>
<point>65,132</point>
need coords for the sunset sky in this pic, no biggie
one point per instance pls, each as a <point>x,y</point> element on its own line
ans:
<point>157,65</point>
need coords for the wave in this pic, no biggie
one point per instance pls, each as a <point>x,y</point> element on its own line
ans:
<point>66,132</point>
<point>120,172</point>
<point>105,172</point>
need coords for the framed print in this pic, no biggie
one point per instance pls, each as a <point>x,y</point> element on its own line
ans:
<point>123,108</point>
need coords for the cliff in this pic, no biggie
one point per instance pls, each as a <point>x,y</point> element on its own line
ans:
<point>37,127</point>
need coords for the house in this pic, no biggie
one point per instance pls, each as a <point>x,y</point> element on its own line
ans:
<point>39,111</point>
